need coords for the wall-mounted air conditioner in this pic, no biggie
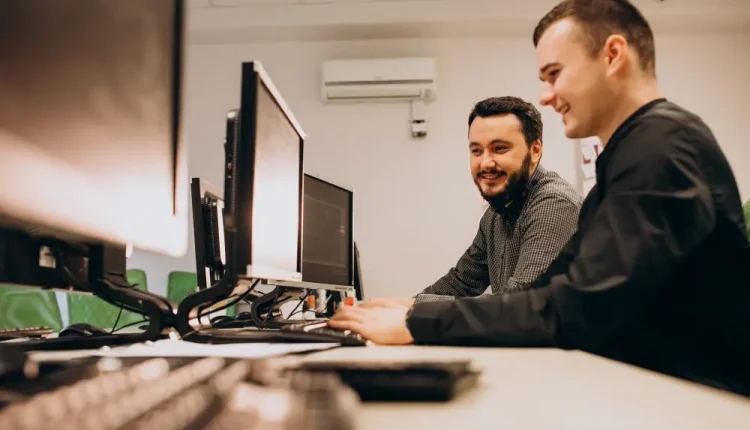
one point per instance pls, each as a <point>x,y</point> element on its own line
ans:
<point>379,79</point>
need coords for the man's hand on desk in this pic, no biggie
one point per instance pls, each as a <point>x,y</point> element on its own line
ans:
<point>407,303</point>
<point>386,326</point>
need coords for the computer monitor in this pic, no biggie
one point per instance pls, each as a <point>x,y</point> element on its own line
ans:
<point>90,122</point>
<point>208,232</point>
<point>262,200</point>
<point>327,244</point>
<point>92,159</point>
<point>264,183</point>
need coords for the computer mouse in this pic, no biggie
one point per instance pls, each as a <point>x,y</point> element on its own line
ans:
<point>82,329</point>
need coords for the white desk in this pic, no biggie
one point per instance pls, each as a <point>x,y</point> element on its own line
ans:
<point>545,389</point>
<point>552,389</point>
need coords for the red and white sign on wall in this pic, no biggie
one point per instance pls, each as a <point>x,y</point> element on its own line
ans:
<point>590,150</point>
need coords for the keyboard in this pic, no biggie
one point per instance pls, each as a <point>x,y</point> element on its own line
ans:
<point>320,331</point>
<point>179,394</point>
<point>76,342</point>
<point>303,332</point>
<point>16,333</point>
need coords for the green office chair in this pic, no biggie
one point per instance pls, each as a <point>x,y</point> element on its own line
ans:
<point>137,277</point>
<point>24,307</point>
<point>746,209</point>
<point>93,310</point>
<point>182,284</point>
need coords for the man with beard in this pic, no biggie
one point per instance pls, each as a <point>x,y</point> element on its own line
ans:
<point>532,212</point>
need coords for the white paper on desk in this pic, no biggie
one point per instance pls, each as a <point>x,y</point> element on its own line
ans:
<point>179,348</point>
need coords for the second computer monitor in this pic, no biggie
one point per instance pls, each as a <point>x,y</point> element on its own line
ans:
<point>263,190</point>
<point>208,232</point>
<point>327,241</point>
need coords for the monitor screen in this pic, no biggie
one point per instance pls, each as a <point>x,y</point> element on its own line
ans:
<point>90,121</point>
<point>268,214</point>
<point>327,233</point>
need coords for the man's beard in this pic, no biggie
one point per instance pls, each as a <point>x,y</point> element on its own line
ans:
<point>514,189</point>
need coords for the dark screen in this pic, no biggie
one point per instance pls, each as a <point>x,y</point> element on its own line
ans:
<point>327,240</point>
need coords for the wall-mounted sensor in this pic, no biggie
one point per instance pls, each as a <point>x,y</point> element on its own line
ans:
<point>418,121</point>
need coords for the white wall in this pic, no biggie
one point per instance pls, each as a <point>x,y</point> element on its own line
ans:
<point>708,75</point>
<point>417,208</point>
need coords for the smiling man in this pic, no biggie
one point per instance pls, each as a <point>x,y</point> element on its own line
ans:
<point>532,211</point>
<point>657,273</point>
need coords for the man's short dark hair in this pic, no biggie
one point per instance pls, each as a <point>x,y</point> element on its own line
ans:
<point>531,120</point>
<point>600,19</point>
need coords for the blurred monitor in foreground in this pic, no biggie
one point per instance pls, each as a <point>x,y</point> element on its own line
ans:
<point>90,121</point>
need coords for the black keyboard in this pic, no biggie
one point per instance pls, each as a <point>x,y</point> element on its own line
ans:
<point>304,332</point>
<point>16,333</point>
<point>176,394</point>
<point>76,342</point>
<point>320,331</point>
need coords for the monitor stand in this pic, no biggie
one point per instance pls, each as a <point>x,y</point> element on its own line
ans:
<point>311,286</point>
<point>33,261</point>
<point>157,309</point>
<point>265,309</point>
<point>194,312</point>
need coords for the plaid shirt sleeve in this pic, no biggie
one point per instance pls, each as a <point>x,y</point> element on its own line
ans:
<point>544,236</point>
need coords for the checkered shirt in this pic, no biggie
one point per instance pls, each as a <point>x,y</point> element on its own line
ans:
<point>512,248</point>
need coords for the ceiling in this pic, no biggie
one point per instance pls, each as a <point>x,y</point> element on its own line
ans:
<point>243,21</point>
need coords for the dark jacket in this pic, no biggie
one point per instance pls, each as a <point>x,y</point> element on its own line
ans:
<point>656,275</point>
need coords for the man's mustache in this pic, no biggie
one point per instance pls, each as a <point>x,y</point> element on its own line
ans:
<point>491,172</point>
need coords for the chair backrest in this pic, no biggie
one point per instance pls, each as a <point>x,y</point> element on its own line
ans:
<point>93,310</point>
<point>181,285</point>
<point>137,277</point>
<point>26,307</point>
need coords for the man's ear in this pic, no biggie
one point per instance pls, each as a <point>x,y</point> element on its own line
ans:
<point>615,53</point>
<point>536,151</point>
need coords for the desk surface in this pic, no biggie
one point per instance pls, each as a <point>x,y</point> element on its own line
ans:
<point>552,389</point>
<point>545,389</point>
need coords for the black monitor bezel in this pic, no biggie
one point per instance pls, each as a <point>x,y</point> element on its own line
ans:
<point>199,188</point>
<point>178,144</point>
